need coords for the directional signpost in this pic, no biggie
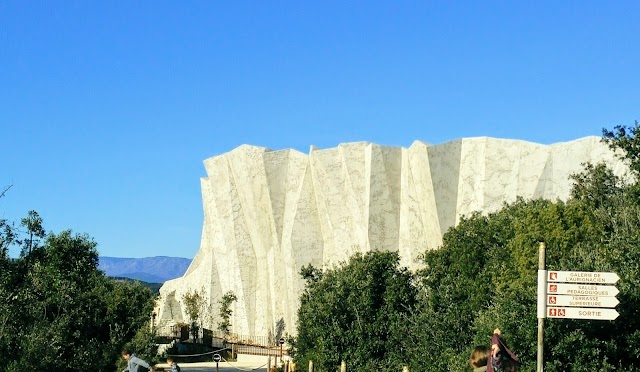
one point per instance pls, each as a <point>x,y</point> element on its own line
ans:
<point>573,295</point>
<point>584,297</point>
<point>583,277</point>
<point>582,289</point>
<point>581,313</point>
<point>581,301</point>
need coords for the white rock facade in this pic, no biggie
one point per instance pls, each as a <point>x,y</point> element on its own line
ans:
<point>268,213</point>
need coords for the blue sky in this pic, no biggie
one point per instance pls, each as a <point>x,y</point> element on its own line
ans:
<point>107,109</point>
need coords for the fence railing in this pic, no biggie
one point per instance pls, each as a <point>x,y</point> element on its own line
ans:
<point>258,350</point>
<point>242,344</point>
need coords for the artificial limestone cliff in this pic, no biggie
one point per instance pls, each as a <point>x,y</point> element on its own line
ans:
<point>268,213</point>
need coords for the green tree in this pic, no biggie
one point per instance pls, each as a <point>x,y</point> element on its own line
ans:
<point>7,235</point>
<point>194,303</point>
<point>35,232</point>
<point>225,312</point>
<point>455,284</point>
<point>61,313</point>
<point>143,345</point>
<point>484,277</point>
<point>627,139</point>
<point>129,305</point>
<point>356,312</point>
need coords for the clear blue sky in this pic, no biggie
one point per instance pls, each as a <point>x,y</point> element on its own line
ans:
<point>108,108</point>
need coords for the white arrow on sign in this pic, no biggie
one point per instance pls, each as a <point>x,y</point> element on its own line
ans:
<point>581,301</point>
<point>581,313</point>
<point>591,277</point>
<point>582,290</point>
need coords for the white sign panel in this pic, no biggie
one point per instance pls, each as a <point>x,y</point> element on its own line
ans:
<point>583,277</point>
<point>582,301</point>
<point>581,313</point>
<point>582,290</point>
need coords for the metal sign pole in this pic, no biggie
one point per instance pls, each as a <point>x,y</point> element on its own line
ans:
<point>542,302</point>
<point>217,358</point>
<point>281,342</point>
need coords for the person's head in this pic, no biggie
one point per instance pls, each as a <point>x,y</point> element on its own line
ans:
<point>170,361</point>
<point>126,354</point>
<point>479,356</point>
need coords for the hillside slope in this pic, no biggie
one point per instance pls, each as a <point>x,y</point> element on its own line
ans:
<point>149,269</point>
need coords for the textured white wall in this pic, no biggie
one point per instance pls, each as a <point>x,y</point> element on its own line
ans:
<point>268,213</point>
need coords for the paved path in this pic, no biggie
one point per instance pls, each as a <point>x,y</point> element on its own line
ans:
<point>244,364</point>
<point>223,367</point>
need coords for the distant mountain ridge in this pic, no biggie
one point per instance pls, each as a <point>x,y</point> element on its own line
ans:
<point>148,269</point>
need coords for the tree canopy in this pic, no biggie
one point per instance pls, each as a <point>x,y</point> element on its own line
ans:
<point>59,312</point>
<point>355,312</point>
